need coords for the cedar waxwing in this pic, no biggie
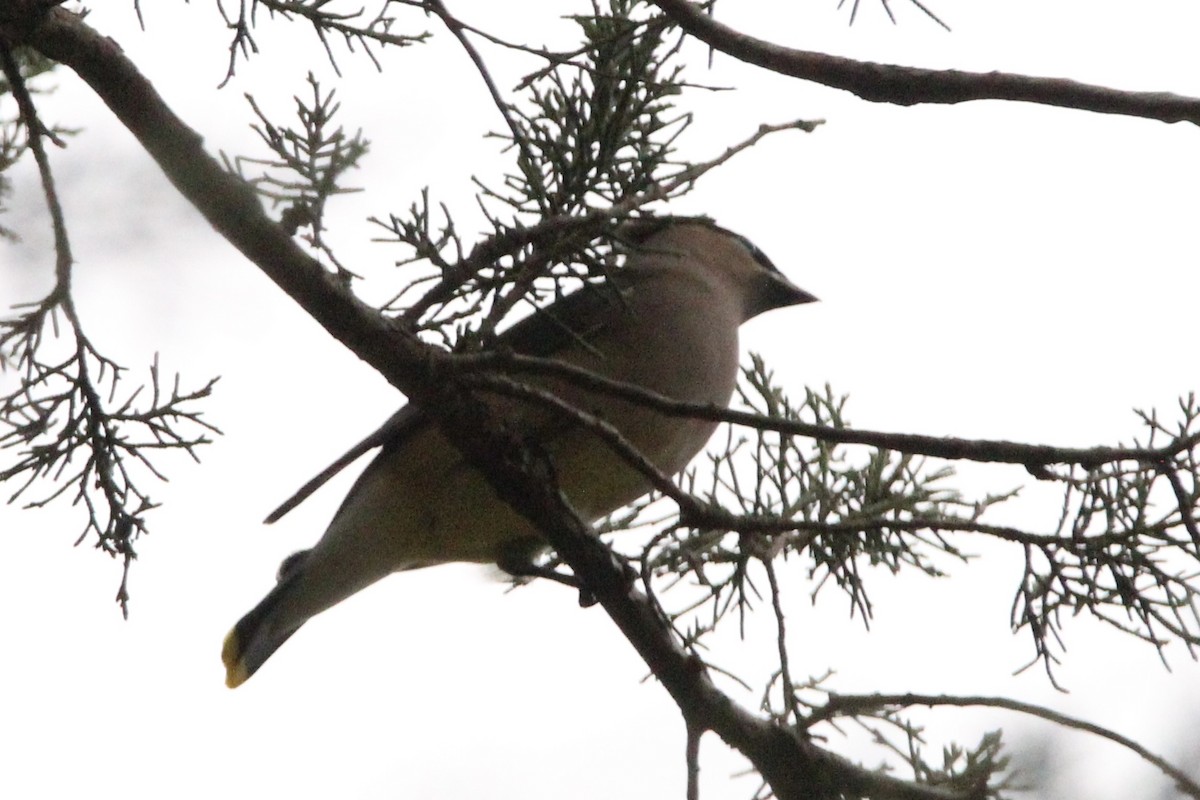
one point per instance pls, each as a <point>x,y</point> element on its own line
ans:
<point>667,321</point>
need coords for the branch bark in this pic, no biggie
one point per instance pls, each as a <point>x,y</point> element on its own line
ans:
<point>907,86</point>
<point>1034,457</point>
<point>795,768</point>
<point>855,704</point>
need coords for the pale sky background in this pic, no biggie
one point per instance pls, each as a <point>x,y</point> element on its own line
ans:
<point>990,270</point>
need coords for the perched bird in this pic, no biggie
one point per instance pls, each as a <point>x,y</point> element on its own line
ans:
<point>667,321</point>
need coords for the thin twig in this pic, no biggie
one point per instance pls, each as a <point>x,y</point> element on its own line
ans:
<point>591,222</point>
<point>995,451</point>
<point>35,130</point>
<point>855,704</point>
<point>785,674</point>
<point>459,31</point>
<point>693,762</point>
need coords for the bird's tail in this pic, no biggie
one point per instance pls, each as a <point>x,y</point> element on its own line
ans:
<point>257,635</point>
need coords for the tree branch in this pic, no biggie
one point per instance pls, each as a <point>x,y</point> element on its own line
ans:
<point>229,204</point>
<point>794,767</point>
<point>907,86</point>
<point>1033,457</point>
<point>565,228</point>
<point>856,704</point>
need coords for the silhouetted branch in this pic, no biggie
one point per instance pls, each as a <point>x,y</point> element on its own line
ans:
<point>841,704</point>
<point>907,86</point>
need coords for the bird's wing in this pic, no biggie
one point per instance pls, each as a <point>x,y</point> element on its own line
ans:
<point>573,320</point>
<point>399,426</point>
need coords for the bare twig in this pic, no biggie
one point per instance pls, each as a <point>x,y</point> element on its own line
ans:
<point>840,705</point>
<point>375,31</point>
<point>1031,456</point>
<point>36,131</point>
<point>459,31</point>
<point>692,759</point>
<point>589,224</point>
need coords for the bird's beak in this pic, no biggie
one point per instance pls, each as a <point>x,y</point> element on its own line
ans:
<point>781,292</point>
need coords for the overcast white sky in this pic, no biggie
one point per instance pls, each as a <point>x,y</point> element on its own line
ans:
<point>990,270</point>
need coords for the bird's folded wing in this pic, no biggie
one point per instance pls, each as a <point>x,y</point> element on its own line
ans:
<point>398,427</point>
<point>576,320</point>
<point>571,322</point>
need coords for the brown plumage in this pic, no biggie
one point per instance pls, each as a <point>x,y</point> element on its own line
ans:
<point>685,289</point>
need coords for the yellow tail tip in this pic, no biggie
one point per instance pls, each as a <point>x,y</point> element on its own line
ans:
<point>235,670</point>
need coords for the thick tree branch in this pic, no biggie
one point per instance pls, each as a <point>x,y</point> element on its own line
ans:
<point>794,767</point>
<point>229,204</point>
<point>907,86</point>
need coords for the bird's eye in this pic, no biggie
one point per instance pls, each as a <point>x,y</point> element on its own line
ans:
<point>758,255</point>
